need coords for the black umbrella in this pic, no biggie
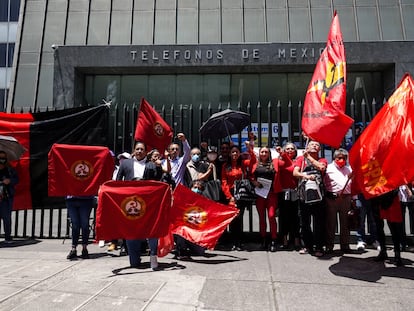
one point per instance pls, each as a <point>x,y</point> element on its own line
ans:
<point>224,123</point>
<point>12,147</point>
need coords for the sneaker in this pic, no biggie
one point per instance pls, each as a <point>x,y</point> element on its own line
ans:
<point>376,245</point>
<point>72,254</point>
<point>85,254</point>
<point>303,251</point>
<point>111,247</point>
<point>360,246</point>
<point>101,243</point>
<point>10,241</point>
<point>153,262</point>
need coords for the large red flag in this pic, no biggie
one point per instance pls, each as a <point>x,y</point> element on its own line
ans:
<point>381,157</point>
<point>78,170</point>
<point>133,210</point>
<point>198,219</point>
<point>324,117</point>
<point>151,128</point>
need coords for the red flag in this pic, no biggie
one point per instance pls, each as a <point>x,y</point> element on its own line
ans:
<point>165,244</point>
<point>381,156</point>
<point>198,219</point>
<point>151,128</point>
<point>78,170</point>
<point>133,210</point>
<point>324,118</point>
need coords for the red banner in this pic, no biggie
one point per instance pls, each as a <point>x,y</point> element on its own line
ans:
<point>152,129</point>
<point>381,157</point>
<point>198,219</point>
<point>133,210</point>
<point>78,170</point>
<point>324,118</point>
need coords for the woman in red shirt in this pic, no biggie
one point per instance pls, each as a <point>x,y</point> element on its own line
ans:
<point>234,169</point>
<point>266,170</point>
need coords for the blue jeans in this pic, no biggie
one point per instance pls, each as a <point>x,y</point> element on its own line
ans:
<point>366,212</point>
<point>134,250</point>
<point>79,212</point>
<point>6,207</point>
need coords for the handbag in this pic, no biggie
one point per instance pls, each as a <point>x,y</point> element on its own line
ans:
<point>354,219</point>
<point>213,190</point>
<point>244,190</point>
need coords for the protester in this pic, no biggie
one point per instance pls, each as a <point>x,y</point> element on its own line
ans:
<point>288,203</point>
<point>405,193</point>
<point>134,169</point>
<point>236,168</point>
<point>387,206</point>
<point>338,197</point>
<point>266,175</point>
<point>8,180</point>
<point>178,163</point>
<point>197,169</point>
<point>79,209</point>
<point>310,167</point>
<point>113,245</point>
<point>223,157</point>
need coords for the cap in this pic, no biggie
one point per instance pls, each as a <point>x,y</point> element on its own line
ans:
<point>124,155</point>
<point>212,149</point>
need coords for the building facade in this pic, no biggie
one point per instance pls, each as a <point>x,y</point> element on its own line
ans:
<point>202,53</point>
<point>9,15</point>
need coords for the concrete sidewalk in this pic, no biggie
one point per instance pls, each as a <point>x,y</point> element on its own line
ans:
<point>37,276</point>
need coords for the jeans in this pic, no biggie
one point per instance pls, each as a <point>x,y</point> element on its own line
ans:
<point>134,250</point>
<point>79,212</point>
<point>6,207</point>
<point>366,212</point>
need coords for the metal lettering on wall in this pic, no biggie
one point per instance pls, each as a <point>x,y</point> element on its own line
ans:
<point>198,55</point>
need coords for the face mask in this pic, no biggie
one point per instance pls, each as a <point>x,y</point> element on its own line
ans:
<point>195,158</point>
<point>212,156</point>
<point>340,162</point>
<point>3,161</point>
<point>196,190</point>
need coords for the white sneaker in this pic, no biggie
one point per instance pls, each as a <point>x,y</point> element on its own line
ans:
<point>153,262</point>
<point>101,243</point>
<point>360,246</point>
<point>377,245</point>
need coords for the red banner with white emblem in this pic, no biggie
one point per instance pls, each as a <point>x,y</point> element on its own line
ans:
<point>381,157</point>
<point>324,118</point>
<point>78,170</point>
<point>198,219</point>
<point>151,128</point>
<point>133,210</point>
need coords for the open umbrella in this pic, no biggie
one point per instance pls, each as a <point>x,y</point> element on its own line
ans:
<point>12,147</point>
<point>224,123</point>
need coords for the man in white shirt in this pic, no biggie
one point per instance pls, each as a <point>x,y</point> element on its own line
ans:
<point>178,164</point>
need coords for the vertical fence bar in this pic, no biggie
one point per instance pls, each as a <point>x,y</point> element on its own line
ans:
<point>279,123</point>
<point>259,123</point>
<point>269,125</point>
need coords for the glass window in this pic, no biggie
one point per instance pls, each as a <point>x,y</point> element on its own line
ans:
<point>4,10</point>
<point>3,54</point>
<point>321,22</point>
<point>277,25</point>
<point>10,54</point>
<point>3,99</point>
<point>391,23</point>
<point>254,25</point>
<point>299,25</point>
<point>408,13</point>
<point>232,25</point>
<point>368,24</point>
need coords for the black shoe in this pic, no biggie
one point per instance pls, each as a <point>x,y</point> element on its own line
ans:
<point>237,247</point>
<point>85,254</point>
<point>382,256</point>
<point>273,246</point>
<point>72,254</point>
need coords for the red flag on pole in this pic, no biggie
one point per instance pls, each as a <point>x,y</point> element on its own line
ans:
<point>151,128</point>
<point>324,118</point>
<point>198,219</point>
<point>78,170</point>
<point>381,156</point>
<point>133,210</point>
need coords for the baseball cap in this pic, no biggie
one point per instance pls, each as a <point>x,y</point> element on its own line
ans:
<point>124,155</point>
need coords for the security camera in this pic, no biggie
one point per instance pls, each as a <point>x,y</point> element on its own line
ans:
<point>54,47</point>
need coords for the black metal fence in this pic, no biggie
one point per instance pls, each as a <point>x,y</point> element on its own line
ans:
<point>54,223</point>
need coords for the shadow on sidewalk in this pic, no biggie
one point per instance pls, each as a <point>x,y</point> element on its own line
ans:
<point>366,269</point>
<point>19,243</point>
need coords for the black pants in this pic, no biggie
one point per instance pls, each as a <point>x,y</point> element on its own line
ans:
<point>236,226</point>
<point>288,217</point>
<point>312,239</point>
